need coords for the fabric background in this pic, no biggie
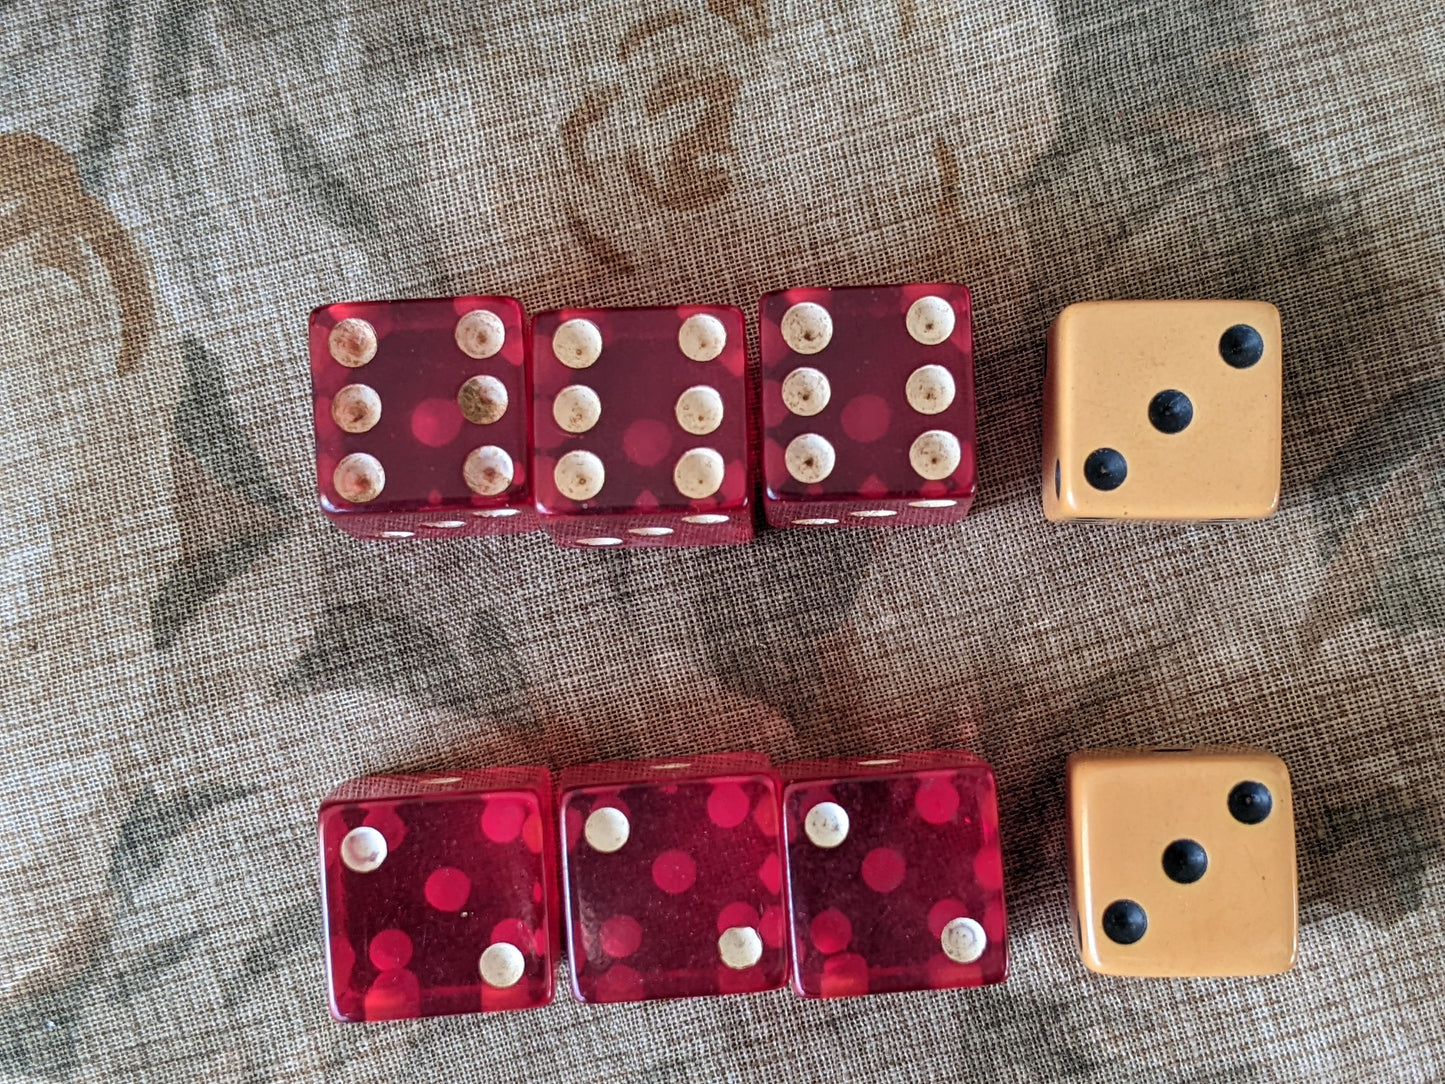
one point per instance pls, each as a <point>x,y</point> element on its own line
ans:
<point>192,656</point>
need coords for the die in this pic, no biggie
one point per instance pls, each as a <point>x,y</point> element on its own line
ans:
<point>1182,861</point>
<point>422,414</point>
<point>867,405</point>
<point>642,423</point>
<point>1163,410</point>
<point>672,878</point>
<point>439,894</point>
<point>894,874</point>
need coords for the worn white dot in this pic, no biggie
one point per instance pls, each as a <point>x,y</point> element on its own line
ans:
<point>502,965</point>
<point>705,519</point>
<point>496,513</point>
<point>877,763</point>
<point>579,476</point>
<point>607,829</point>
<point>699,473</point>
<point>600,540</point>
<point>740,947</point>
<point>930,320</point>
<point>807,328</point>
<point>363,849</point>
<point>826,825</point>
<point>815,521</point>
<point>963,940</point>
<point>809,458</point>
<point>352,342</point>
<point>930,389</point>
<point>699,410</point>
<point>702,337</point>
<point>480,333</point>
<point>359,478</point>
<point>940,502</point>
<point>874,513</point>
<point>356,408</point>
<point>487,470</point>
<point>935,454</point>
<point>446,524</point>
<point>672,766</point>
<point>483,400</point>
<point>806,391</point>
<point>650,532</point>
<point>397,534</point>
<point>577,343</point>
<point>576,408</point>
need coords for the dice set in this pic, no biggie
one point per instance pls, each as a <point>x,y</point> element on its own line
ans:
<point>641,427</point>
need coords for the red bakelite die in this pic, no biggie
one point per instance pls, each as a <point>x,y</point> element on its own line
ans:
<point>672,878</point>
<point>894,874</point>
<point>867,405</point>
<point>422,415</point>
<point>438,894</point>
<point>641,422</point>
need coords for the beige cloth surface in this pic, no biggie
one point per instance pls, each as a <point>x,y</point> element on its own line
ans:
<point>192,656</point>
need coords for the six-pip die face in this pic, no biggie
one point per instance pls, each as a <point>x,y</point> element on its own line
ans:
<point>421,413</point>
<point>867,405</point>
<point>642,427</point>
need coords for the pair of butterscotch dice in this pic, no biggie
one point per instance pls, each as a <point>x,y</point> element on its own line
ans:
<point>725,874</point>
<point>641,427</point>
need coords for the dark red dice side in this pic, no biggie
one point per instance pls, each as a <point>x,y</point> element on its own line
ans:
<point>692,903</point>
<point>638,379</point>
<point>868,420</point>
<point>423,439</point>
<point>456,911</point>
<point>912,897</point>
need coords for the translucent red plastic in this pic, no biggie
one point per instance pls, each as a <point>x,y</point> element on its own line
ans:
<point>467,863</point>
<point>868,419</point>
<point>921,850</point>
<point>422,438</point>
<point>698,879</point>
<point>638,379</point>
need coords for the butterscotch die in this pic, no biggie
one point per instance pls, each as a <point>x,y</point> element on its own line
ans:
<point>1163,410</point>
<point>1182,861</point>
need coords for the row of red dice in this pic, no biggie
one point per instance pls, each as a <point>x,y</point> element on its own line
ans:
<point>643,427</point>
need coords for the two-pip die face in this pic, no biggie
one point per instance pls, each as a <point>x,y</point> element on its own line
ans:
<point>1182,862</point>
<point>421,417</point>
<point>641,424</point>
<point>895,874</point>
<point>672,878</point>
<point>868,408</point>
<point>1163,410</point>
<point>438,894</point>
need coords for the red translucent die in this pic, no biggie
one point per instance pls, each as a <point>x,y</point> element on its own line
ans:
<point>642,420</point>
<point>895,874</point>
<point>422,416</point>
<point>672,878</point>
<point>867,405</point>
<point>438,894</point>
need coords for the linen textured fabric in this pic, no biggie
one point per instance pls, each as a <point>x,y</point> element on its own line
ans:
<point>191,656</point>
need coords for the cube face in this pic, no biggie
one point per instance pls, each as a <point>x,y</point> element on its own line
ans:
<point>422,417</point>
<point>439,894</point>
<point>1182,863</point>
<point>895,874</point>
<point>672,880</point>
<point>642,423</point>
<point>1163,410</point>
<point>867,405</point>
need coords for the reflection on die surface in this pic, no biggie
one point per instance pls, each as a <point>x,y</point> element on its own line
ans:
<point>867,405</point>
<point>1182,862</point>
<point>421,417</point>
<point>641,426</point>
<point>672,878</point>
<point>895,874</point>
<point>1163,410</point>
<point>438,894</point>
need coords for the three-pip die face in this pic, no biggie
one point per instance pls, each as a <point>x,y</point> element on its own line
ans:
<point>439,894</point>
<point>642,427</point>
<point>1182,862</point>
<point>895,874</point>
<point>421,417</point>
<point>1163,410</point>
<point>672,878</point>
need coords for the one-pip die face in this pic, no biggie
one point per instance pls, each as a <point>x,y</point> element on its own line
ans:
<point>1163,410</point>
<point>1182,863</point>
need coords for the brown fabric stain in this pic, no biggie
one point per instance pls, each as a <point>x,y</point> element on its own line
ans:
<point>686,183</point>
